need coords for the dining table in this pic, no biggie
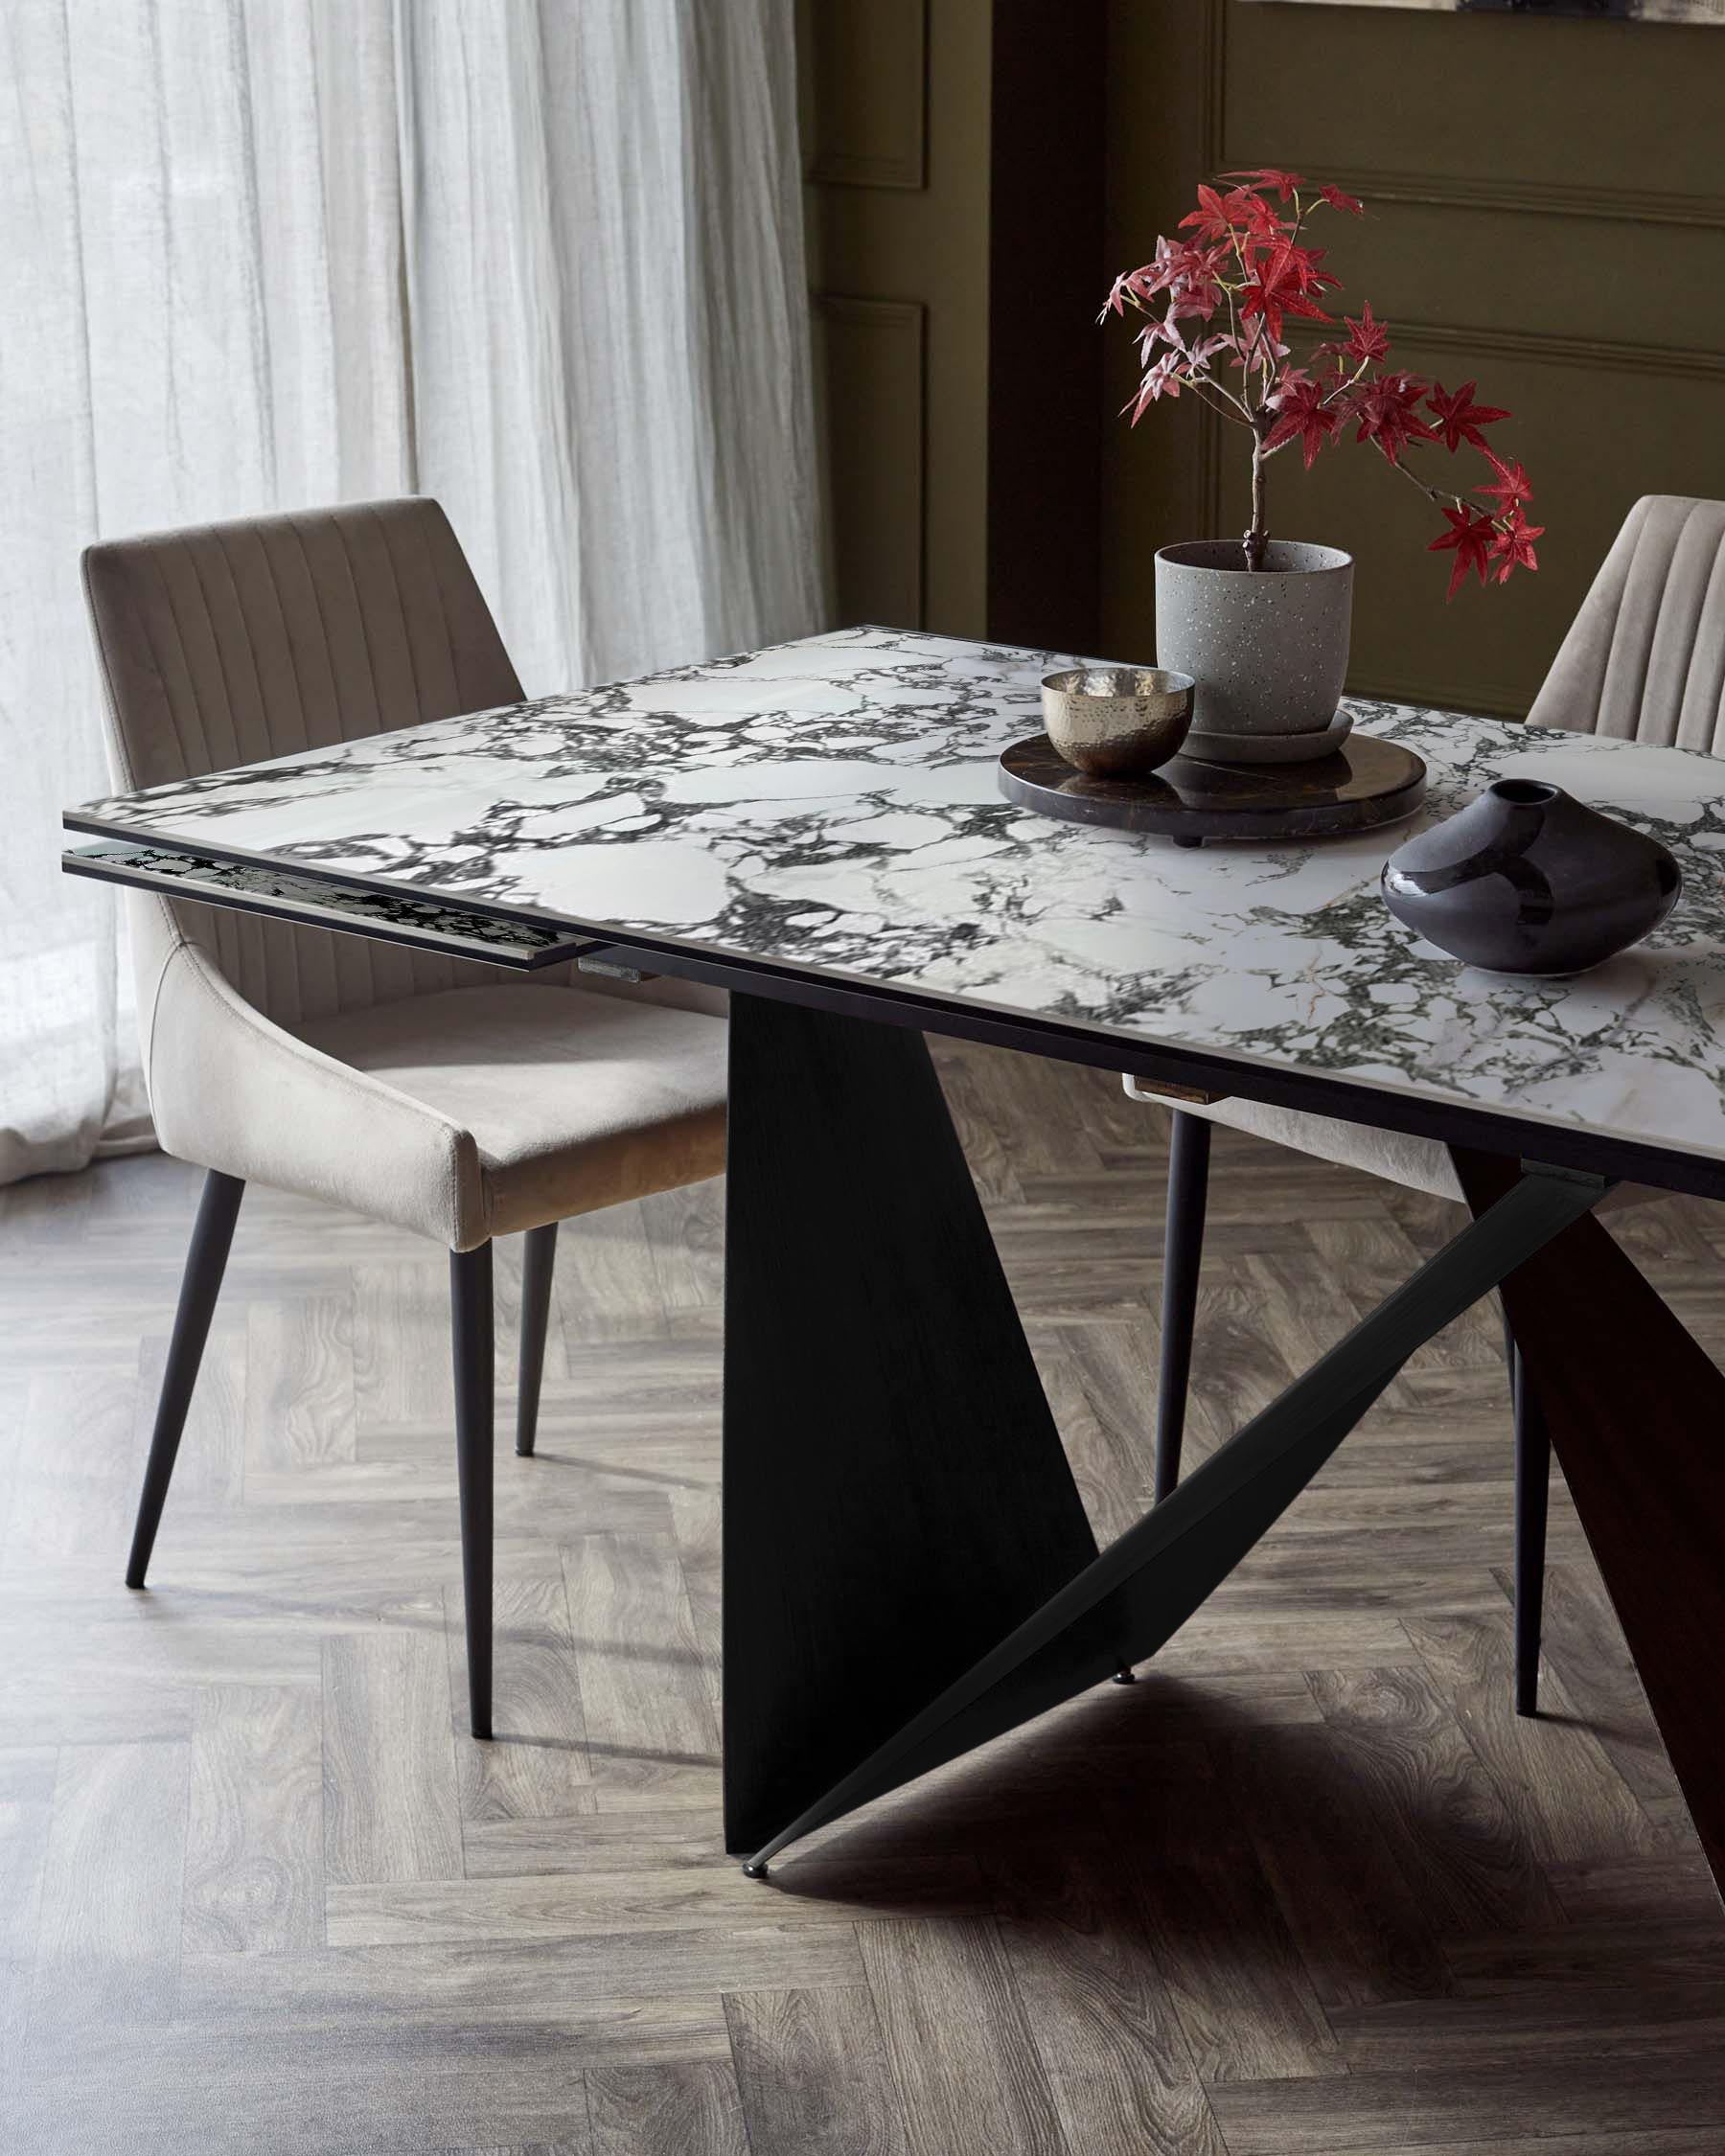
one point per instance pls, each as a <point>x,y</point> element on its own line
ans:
<point>818,828</point>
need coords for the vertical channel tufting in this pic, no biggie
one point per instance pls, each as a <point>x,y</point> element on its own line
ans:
<point>250,641</point>
<point>1622,712</point>
<point>1644,658</point>
<point>188,732</point>
<point>1676,627</point>
<point>1704,692</point>
<point>237,642</point>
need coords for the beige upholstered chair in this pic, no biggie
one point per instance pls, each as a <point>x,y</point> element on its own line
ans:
<point>1644,660</point>
<point>435,1093</point>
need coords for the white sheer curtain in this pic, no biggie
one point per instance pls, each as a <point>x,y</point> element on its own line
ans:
<point>540,258</point>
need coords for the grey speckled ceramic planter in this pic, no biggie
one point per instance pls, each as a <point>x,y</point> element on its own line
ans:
<point>1268,648</point>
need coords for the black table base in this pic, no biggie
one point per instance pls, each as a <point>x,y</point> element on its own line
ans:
<point>1636,1413</point>
<point>909,1572</point>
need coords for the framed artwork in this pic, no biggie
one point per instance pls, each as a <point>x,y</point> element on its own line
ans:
<point>1612,10</point>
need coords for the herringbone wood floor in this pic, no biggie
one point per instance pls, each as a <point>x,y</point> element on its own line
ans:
<point>1310,1887</point>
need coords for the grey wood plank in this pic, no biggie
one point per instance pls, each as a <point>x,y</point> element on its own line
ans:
<point>391,1810</point>
<point>631,1839</point>
<point>1575,2092</point>
<point>690,2110</point>
<point>1647,1954</point>
<point>814,2075</point>
<point>607,1285</point>
<point>109,1936</point>
<point>817,1890</point>
<point>1568,1801</point>
<point>27,1779</point>
<point>964,1081</point>
<point>1361,1931</point>
<point>697,1526</point>
<point>962,2059</point>
<point>1080,1951</point>
<point>661,1979</point>
<point>1239,1988</point>
<point>644,1680</point>
<point>401,2089</point>
<point>1443,1815</point>
<point>401,1342</point>
<point>535,1765</point>
<point>73,1485</point>
<point>1673,1883</point>
<point>300,1400</point>
<point>253,1845</point>
<point>1526,2019</point>
<point>1236,1370</point>
<point>1584,1643</point>
<point>210,1467</point>
<point>686,1235</point>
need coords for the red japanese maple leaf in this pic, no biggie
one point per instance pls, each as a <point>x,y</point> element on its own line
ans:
<point>1182,269</point>
<point>1338,200</point>
<point>1221,216</point>
<point>1216,214</point>
<point>1459,417</point>
<point>1367,339</point>
<point>1281,284</point>
<point>1300,410</point>
<point>1388,410</point>
<point>1510,487</point>
<point>1164,379</point>
<point>1514,546</point>
<point>1471,534</point>
<point>1283,185</point>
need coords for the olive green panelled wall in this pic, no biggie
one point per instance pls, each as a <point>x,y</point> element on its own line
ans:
<point>1546,212</point>
<point>895,107</point>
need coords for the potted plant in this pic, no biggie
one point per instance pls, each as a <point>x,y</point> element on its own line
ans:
<point>1263,624</point>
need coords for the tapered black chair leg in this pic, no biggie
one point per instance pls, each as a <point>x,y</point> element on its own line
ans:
<point>1532,1497</point>
<point>471,1327</point>
<point>201,1282</point>
<point>1182,1251</point>
<point>536,1266</point>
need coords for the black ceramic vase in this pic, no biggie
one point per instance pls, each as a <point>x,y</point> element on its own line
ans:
<point>1527,880</point>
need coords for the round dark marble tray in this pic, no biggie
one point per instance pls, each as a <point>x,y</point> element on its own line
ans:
<point>1364,784</point>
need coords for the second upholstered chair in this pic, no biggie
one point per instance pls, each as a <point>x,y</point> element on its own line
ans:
<point>434,1093</point>
<point>1644,660</point>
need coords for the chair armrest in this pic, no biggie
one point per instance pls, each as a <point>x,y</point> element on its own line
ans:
<point>230,1089</point>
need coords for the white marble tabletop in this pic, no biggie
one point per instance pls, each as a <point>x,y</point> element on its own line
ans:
<point>830,807</point>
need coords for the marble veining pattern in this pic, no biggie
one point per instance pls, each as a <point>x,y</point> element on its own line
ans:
<point>831,805</point>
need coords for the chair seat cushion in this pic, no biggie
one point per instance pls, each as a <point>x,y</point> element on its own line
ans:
<point>1416,1163</point>
<point>573,1100</point>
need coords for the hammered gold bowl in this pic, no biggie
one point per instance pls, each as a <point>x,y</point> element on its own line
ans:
<point>1116,722</point>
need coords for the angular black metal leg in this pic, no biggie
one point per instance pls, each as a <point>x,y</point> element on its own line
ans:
<point>1532,1493</point>
<point>1182,1252</point>
<point>539,1259</point>
<point>1532,1499</point>
<point>471,1327</point>
<point>892,1494</point>
<point>896,1496</point>
<point>201,1282</point>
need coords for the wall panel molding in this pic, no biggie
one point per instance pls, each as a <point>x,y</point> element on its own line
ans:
<point>1593,353</point>
<point>1530,198</point>
<point>870,365</point>
<point>871,83</point>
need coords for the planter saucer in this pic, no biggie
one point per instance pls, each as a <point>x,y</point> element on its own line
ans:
<point>1365,784</point>
<point>1269,749</point>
